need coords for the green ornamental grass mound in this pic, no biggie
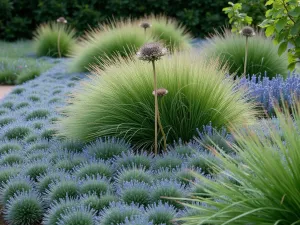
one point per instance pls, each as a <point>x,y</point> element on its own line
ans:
<point>167,30</point>
<point>262,54</point>
<point>107,41</point>
<point>120,103</point>
<point>54,39</point>
<point>261,185</point>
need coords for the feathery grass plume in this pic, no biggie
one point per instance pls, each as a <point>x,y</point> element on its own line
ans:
<point>14,185</point>
<point>57,208</point>
<point>199,92</point>
<point>168,31</point>
<point>118,38</point>
<point>135,192</point>
<point>79,215</point>
<point>262,54</point>
<point>267,178</point>
<point>47,36</point>
<point>161,213</point>
<point>24,208</point>
<point>247,32</point>
<point>117,213</point>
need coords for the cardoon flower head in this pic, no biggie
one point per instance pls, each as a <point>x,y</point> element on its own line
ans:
<point>145,24</point>
<point>151,51</point>
<point>61,20</point>
<point>160,92</point>
<point>248,31</point>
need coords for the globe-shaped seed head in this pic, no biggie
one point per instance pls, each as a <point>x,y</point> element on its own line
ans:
<point>145,25</point>
<point>160,92</point>
<point>151,51</point>
<point>61,20</point>
<point>247,31</point>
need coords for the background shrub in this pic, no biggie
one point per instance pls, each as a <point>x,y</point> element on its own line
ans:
<point>21,17</point>
<point>46,38</point>
<point>262,54</point>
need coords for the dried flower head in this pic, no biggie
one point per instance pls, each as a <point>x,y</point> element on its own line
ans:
<point>247,31</point>
<point>145,25</point>
<point>61,20</point>
<point>151,51</point>
<point>160,92</point>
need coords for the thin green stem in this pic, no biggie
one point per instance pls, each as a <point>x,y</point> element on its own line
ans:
<point>156,108</point>
<point>246,55</point>
<point>162,132</point>
<point>58,43</point>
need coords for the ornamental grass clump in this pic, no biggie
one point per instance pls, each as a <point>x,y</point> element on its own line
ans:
<point>107,42</point>
<point>54,40</point>
<point>118,102</point>
<point>266,178</point>
<point>261,54</point>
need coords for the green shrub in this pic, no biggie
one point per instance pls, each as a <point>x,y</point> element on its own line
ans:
<point>109,41</point>
<point>262,54</point>
<point>49,36</point>
<point>120,102</point>
<point>7,77</point>
<point>264,179</point>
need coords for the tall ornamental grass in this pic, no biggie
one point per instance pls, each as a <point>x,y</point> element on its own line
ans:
<point>264,181</point>
<point>117,101</point>
<point>46,40</point>
<point>262,54</point>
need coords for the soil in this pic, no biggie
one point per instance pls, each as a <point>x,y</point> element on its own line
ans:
<point>4,90</point>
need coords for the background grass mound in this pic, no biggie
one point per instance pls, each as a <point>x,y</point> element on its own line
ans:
<point>120,103</point>
<point>51,35</point>
<point>108,41</point>
<point>262,54</point>
<point>124,37</point>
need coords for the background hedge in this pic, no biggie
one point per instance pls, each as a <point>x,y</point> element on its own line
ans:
<point>18,18</point>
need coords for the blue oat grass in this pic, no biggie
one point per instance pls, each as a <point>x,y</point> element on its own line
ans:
<point>78,215</point>
<point>161,213</point>
<point>93,168</point>
<point>24,208</point>
<point>95,185</point>
<point>135,173</point>
<point>98,203</point>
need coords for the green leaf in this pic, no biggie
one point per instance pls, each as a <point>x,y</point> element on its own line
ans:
<point>264,23</point>
<point>295,12</point>
<point>280,24</point>
<point>270,31</point>
<point>296,28</point>
<point>297,42</point>
<point>270,2</point>
<point>282,48</point>
<point>292,66</point>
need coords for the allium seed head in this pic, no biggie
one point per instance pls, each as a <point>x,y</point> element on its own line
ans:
<point>145,25</point>
<point>151,51</point>
<point>61,20</point>
<point>247,31</point>
<point>160,92</point>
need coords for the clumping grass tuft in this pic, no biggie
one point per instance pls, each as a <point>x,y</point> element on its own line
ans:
<point>161,213</point>
<point>134,174</point>
<point>95,185</point>
<point>78,215</point>
<point>63,189</point>
<point>263,184</point>
<point>107,41</point>
<point>98,203</point>
<point>93,168</point>
<point>25,208</point>
<point>199,92</point>
<point>47,37</point>
<point>262,54</point>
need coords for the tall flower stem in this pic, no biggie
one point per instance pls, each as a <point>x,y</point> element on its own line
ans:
<point>246,55</point>
<point>145,31</point>
<point>156,107</point>
<point>58,43</point>
<point>162,132</point>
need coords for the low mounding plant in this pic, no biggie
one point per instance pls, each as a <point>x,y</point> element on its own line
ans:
<point>107,41</point>
<point>46,40</point>
<point>262,54</point>
<point>263,185</point>
<point>25,208</point>
<point>118,101</point>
